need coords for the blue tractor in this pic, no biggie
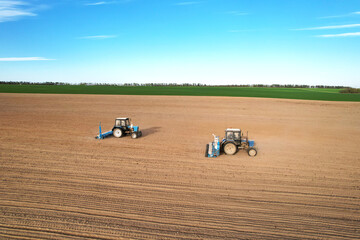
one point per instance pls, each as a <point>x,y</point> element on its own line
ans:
<point>230,144</point>
<point>122,127</point>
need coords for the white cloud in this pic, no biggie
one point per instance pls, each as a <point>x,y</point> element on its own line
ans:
<point>96,3</point>
<point>13,10</point>
<point>336,16</point>
<point>340,16</point>
<point>99,37</point>
<point>107,2</point>
<point>186,3</point>
<point>353,34</point>
<point>21,59</point>
<point>332,27</point>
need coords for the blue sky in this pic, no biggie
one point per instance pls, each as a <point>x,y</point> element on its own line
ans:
<point>169,41</point>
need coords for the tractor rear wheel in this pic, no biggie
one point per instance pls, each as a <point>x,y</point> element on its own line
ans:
<point>230,148</point>
<point>252,152</point>
<point>134,135</point>
<point>118,133</point>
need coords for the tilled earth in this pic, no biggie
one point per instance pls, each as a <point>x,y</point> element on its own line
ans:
<point>58,182</point>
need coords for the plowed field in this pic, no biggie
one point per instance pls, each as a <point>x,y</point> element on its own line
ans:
<point>58,182</point>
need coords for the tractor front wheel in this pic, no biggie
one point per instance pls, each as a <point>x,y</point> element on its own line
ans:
<point>118,133</point>
<point>134,135</point>
<point>230,148</point>
<point>252,152</point>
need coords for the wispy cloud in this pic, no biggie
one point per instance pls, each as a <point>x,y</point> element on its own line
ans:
<point>98,37</point>
<point>335,16</point>
<point>21,59</point>
<point>342,15</point>
<point>331,27</point>
<point>13,10</point>
<point>237,13</point>
<point>107,2</point>
<point>98,3</point>
<point>353,34</point>
<point>186,3</point>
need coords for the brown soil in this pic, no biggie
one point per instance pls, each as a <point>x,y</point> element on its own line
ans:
<point>57,181</point>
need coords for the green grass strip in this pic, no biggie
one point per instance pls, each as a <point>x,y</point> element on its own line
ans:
<point>287,93</point>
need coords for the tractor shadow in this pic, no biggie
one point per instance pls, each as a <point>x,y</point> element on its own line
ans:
<point>148,131</point>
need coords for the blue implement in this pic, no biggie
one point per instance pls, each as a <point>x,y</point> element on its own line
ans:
<point>103,135</point>
<point>214,148</point>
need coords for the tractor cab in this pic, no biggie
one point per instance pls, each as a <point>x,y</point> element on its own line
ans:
<point>122,122</point>
<point>232,134</point>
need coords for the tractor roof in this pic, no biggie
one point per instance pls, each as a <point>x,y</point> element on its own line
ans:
<point>233,129</point>
<point>122,118</point>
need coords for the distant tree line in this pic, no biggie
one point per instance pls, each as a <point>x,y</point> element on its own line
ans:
<point>35,83</point>
<point>179,85</point>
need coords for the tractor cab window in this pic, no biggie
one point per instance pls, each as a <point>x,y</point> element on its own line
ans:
<point>237,135</point>
<point>123,124</point>
<point>230,135</point>
<point>117,122</point>
<point>127,122</point>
